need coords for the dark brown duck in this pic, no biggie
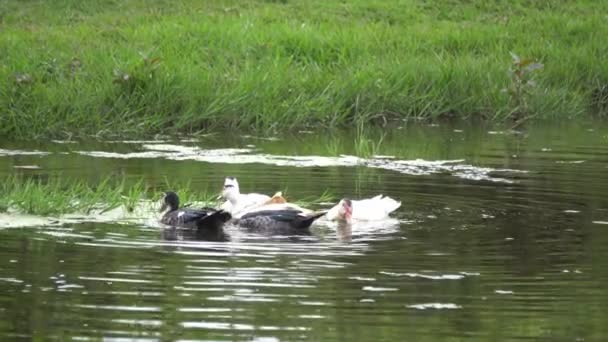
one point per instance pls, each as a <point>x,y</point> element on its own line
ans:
<point>279,222</point>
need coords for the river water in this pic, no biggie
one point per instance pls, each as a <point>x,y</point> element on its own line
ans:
<point>501,235</point>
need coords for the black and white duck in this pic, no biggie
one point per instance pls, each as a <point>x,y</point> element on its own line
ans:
<point>208,222</point>
<point>280,221</point>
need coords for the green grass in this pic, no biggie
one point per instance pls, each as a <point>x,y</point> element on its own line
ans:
<point>138,67</point>
<point>56,196</point>
<point>366,146</point>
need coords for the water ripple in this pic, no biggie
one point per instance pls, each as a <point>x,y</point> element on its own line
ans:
<point>247,156</point>
<point>120,308</point>
<point>438,306</point>
<point>4,152</point>
<point>426,276</point>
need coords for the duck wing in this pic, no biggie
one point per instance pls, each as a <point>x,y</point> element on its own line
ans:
<point>183,217</point>
<point>286,221</point>
<point>214,220</point>
<point>193,218</point>
<point>282,215</point>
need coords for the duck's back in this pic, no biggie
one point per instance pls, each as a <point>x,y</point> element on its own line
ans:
<point>278,222</point>
<point>249,200</point>
<point>274,207</point>
<point>248,203</point>
<point>376,208</point>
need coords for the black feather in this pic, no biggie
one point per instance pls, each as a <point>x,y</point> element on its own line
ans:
<point>206,220</point>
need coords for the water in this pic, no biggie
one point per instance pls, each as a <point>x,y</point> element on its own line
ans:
<point>501,236</point>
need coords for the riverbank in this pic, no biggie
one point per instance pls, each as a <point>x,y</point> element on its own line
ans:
<point>136,68</point>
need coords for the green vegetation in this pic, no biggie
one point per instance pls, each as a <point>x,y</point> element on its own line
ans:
<point>522,84</point>
<point>366,146</point>
<point>144,67</point>
<point>56,196</point>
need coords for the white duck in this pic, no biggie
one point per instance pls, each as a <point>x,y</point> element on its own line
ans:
<point>238,202</point>
<point>371,209</point>
<point>276,202</point>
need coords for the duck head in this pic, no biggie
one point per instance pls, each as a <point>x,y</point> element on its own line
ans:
<point>345,210</point>
<point>170,200</point>
<point>231,189</point>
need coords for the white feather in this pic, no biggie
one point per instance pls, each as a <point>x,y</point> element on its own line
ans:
<point>371,209</point>
<point>247,202</point>
<point>271,206</point>
<point>238,204</point>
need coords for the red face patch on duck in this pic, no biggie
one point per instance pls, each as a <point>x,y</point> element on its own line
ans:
<point>347,207</point>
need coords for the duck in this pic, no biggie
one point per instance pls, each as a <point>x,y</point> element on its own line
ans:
<point>236,201</point>
<point>277,202</point>
<point>208,222</point>
<point>279,221</point>
<point>371,209</point>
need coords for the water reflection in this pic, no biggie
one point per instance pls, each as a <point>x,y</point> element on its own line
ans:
<point>463,259</point>
<point>177,234</point>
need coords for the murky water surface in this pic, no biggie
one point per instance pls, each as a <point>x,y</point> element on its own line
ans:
<point>501,236</point>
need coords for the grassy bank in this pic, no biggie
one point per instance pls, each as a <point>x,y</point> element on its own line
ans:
<point>145,67</point>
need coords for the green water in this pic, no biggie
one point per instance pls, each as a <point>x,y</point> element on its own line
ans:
<point>506,241</point>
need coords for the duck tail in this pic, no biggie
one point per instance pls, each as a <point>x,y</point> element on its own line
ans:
<point>215,220</point>
<point>306,221</point>
<point>390,204</point>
